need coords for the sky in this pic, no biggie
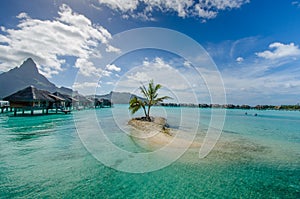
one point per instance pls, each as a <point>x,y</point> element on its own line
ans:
<point>210,51</point>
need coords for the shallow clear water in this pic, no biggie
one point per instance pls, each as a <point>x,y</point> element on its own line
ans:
<point>255,157</point>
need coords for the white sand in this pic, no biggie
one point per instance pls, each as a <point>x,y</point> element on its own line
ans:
<point>155,135</point>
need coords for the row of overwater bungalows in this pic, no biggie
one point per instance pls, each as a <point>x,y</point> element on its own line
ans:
<point>33,99</point>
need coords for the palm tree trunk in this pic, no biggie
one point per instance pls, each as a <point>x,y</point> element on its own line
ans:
<point>148,114</point>
<point>145,111</point>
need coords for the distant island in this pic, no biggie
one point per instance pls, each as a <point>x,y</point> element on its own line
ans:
<point>232,106</point>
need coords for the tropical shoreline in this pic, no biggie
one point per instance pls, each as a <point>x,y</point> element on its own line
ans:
<point>157,134</point>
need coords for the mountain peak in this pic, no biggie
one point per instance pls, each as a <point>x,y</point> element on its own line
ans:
<point>29,66</point>
<point>29,60</point>
<point>25,75</point>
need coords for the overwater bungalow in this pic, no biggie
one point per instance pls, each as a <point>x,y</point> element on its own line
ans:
<point>83,102</point>
<point>31,99</point>
<point>70,102</point>
<point>4,105</point>
<point>102,103</point>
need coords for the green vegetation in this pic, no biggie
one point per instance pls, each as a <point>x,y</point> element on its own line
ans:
<point>232,106</point>
<point>289,107</point>
<point>151,95</point>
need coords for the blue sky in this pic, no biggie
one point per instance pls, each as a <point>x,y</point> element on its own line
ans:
<point>253,43</point>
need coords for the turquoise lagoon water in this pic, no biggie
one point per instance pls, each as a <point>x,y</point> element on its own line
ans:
<point>255,157</point>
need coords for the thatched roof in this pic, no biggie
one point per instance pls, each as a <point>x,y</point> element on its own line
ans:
<point>66,97</point>
<point>56,98</point>
<point>31,94</point>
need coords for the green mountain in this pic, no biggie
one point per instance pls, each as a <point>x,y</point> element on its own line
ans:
<point>117,97</point>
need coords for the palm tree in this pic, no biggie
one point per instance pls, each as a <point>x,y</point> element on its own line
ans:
<point>151,95</point>
<point>135,104</point>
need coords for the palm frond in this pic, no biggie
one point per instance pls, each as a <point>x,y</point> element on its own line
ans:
<point>161,99</point>
<point>144,91</point>
<point>134,105</point>
<point>157,87</point>
<point>151,95</point>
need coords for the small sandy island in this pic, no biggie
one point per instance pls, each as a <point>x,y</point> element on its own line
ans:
<point>156,134</point>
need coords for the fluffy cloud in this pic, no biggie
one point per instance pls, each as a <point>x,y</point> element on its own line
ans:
<point>268,79</point>
<point>187,64</point>
<point>178,82</point>
<point>87,68</point>
<point>279,50</point>
<point>206,9</point>
<point>204,13</point>
<point>85,85</point>
<point>121,5</point>
<point>113,67</point>
<point>48,41</point>
<point>157,64</point>
<point>111,49</point>
<point>239,59</point>
<point>139,76</point>
<point>156,69</point>
<point>224,4</point>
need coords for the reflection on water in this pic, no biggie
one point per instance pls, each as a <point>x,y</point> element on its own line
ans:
<point>256,157</point>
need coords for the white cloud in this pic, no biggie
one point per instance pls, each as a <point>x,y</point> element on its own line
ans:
<point>187,64</point>
<point>106,73</point>
<point>224,4</point>
<point>144,16</point>
<point>112,49</point>
<point>183,8</point>
<point>204,13</point>
<point>23,15</point>
<point>113,67</point>
<point>139,77</point>
<point>121,5</point>
<point>156,69</point>
<point>157,63</point>
<point>85,85</point>
<point>153,69</point>
<point>239,59</point>
<point>279,50</point>
<point>87,68</point>
<point>269,80</point>
<point>177,83</point>
<point>46,41</point>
